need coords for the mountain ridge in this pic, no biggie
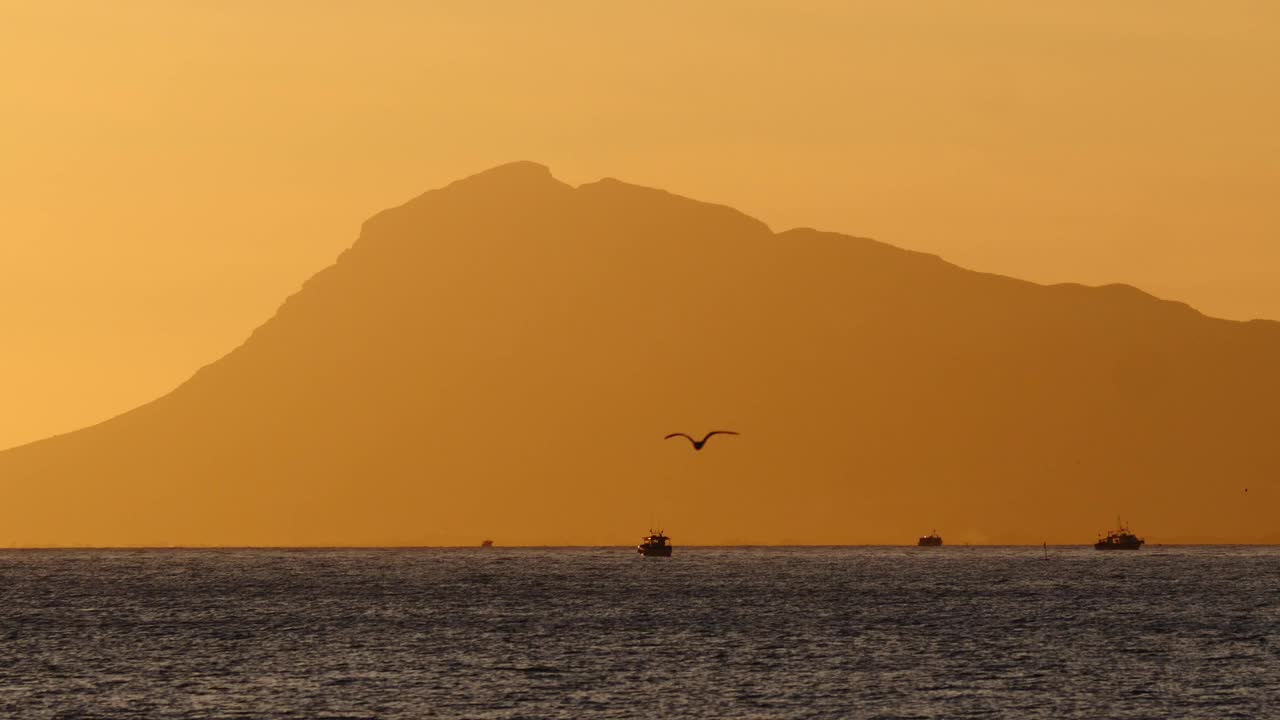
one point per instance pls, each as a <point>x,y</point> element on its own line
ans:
<point>514,304</point>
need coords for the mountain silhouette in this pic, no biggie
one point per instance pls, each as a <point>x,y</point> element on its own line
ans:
<point>495,358</point>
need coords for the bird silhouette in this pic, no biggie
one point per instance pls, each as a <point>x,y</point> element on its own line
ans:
<point>697,444</point>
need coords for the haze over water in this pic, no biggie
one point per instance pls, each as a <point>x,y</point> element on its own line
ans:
<point>1169,632</point>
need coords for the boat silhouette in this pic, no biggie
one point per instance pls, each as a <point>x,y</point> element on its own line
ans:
<point>654,545</point>
<point>933,539</point>
<point>1119,539</point>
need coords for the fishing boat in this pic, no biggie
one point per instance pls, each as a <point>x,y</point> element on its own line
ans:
<point>1119,539</point>
<point>486,543</point>
<point>654,545</point>
<point>933,539</point>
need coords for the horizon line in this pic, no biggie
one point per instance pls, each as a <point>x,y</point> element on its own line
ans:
<point>477,546</point>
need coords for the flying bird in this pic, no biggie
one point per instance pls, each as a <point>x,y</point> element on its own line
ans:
<point>697,444</point>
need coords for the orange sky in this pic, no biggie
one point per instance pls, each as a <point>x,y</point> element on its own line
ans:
<point>173,170</point>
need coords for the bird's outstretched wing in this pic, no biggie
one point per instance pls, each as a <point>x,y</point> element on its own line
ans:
<point>718,432</point>
<point>686,437</point>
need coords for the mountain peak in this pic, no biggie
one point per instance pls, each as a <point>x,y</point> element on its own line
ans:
<point>520,173</point>
<point>521,181</point>
<point>526,168</point>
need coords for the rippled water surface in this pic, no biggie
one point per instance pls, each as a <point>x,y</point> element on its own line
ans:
<point>1165,632</point>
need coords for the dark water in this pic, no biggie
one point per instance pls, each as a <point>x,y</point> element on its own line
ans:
<point>1166,632</point>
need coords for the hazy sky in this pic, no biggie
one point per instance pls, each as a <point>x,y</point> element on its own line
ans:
<point>171,171</point>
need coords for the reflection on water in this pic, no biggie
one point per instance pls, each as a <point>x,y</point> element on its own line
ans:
<point>600,632</point>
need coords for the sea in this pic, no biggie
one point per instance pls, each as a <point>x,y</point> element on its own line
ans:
<point>741,632</point>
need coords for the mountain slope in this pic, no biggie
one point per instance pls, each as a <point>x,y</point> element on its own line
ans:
<point>501,358</point>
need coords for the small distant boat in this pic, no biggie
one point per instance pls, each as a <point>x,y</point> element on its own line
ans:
<point>654,545</point>
<point>486,543</point>
<point>1120,539</point>
<point>933,539</point>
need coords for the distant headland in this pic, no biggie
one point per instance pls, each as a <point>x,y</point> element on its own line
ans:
<point>502,356</point>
